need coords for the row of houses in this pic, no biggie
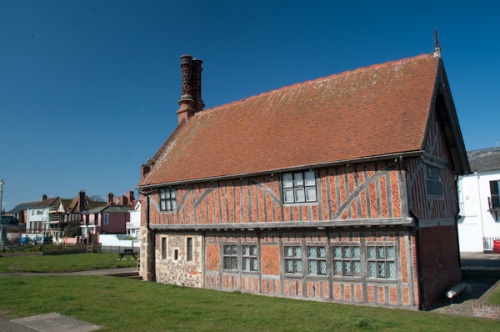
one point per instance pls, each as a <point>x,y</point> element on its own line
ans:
<point>80,217</point>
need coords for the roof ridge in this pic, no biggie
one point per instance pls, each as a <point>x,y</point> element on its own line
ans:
<point>319,79</point>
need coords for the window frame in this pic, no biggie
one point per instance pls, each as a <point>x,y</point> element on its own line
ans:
<point>293,259</point>
<point>299,182</point>
<point>168,199</point>
<point>230,257</point>
<point>189,249</point>
<point>386,261</point>
<point>164,248</point>
<point>347,262</point>
<point>494,199</point>
<point>434,181</point>
<point>317,260</point>
<point>252,257</point>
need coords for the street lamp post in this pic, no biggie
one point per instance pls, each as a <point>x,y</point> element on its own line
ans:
<point>1,196</point>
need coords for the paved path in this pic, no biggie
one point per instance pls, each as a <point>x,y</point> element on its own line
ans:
<point>54,322</point>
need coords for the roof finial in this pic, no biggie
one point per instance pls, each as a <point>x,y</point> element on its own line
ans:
<point>437,47</point>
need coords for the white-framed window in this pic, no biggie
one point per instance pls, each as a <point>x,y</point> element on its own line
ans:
<point>346,261</point>
<point>249,259</point>
<point>293,260</point>
<point>230,259</point>
<point>168,199</point>
<point>433,181</point>
<point>106,218</point>
<point>299,187</point>
<point>189,249</point>
<point>316,261</point>
<point>381,262</point>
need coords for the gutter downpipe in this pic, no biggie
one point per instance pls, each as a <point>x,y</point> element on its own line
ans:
<point>151,271</point>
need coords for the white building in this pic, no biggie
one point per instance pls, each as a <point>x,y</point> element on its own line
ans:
<point>479,221</point>
<point>134,225</point>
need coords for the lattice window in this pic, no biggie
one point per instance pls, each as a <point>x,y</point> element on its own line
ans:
<point>316,261</point>
<point>249,258</point>
<point>346,261</point>
<point>299,187</point>
<point>381,262</point>
<point>231,257</point>
<point>293,260</point>
<point>168,199</point>
<point>189,249</point>
<point>433,181</point>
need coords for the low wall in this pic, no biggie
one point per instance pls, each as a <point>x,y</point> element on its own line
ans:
<point>118,240</point>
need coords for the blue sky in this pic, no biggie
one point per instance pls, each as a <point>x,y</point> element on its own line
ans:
<point>89,89</point>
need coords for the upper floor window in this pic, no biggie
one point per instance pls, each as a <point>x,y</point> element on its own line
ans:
<point>299,187</point>
<point>168,199</point>
<point>106,218</point>
<point>495,195</point>
<point>433,181</point>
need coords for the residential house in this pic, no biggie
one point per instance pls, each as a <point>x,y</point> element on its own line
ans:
<point>38,217</point>
<point>70,217</point>
<point>111,218</point>
<point>340,189</point>
<point>479,222</point>
<point>134,225</point>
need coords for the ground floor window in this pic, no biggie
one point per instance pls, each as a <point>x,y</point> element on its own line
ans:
<point>293,260</point>
<point>249,258</point>
<point>381,262</point>
<point>316,260</point>
<point>346,261</point>
<point>231,257</point>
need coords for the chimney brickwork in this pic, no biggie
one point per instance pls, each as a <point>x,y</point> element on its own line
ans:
<point>190,101</point>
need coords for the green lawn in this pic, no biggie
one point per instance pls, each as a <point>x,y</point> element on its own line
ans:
<point>63,263</point>
<point>119,304</point>
<point>494,298</point>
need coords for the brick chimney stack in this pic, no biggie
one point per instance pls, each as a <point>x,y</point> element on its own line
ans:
<point>81,200</point>
<point>44,197</point>
<point>190,101</point>
<point>110,199</point>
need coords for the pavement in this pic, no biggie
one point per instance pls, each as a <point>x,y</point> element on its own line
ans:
<point>465,305</point>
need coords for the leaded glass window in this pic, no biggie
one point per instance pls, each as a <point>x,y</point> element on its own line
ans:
<point>299,187</point>
<point>168,199</point>
<point>316,260</point>
<point>230,257</point>
<point>249,258</point>
<point>346,261</point>
<point>293,260</point>
<point>189,249</point>
<point>381,262</point>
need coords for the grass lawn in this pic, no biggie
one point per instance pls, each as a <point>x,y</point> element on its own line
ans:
<point>119,304</point>
<point>494,298</point>
<point>63,263</point>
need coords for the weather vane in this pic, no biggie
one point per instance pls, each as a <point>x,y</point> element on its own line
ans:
<point>436,39</point>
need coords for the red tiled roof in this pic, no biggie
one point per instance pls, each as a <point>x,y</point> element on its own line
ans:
<point>373,111</point>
